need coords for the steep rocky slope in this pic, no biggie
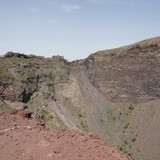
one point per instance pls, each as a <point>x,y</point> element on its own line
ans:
<point>115,93</point>
<point>128,74</point>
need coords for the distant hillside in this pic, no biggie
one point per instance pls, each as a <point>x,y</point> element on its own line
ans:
<point>115,93</point>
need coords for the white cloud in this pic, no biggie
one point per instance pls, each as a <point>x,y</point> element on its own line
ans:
<point>116,2</point>
<point>33,9</point>
<point>68,8</point>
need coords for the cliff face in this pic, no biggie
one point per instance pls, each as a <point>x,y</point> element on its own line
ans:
<point>113,92</point>
<point>128,74</point>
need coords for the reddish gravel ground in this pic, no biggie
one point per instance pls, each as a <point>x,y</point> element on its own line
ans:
<point>27,139</point>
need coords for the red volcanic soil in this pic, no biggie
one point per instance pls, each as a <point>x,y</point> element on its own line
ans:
<point>27,139</point>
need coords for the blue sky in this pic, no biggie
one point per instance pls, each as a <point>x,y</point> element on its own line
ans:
<point>75,28</point>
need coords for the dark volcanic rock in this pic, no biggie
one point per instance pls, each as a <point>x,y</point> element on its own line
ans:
<point>20,55</point>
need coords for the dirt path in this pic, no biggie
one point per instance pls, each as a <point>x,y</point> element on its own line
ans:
<point>27,139</point>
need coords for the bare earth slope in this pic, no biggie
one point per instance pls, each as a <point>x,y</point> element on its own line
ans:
<point>26,139</point>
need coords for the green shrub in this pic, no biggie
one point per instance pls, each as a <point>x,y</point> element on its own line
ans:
<point>134,139</point>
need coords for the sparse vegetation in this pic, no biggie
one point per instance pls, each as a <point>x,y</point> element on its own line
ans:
<point>124,147</point>
<point>126,125</point>
<point>44,115</point>
<point>131,108</point>
<point>5,107</point>
<point>84,125</point>
<point>134,139</point>
<point>130,154</point>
